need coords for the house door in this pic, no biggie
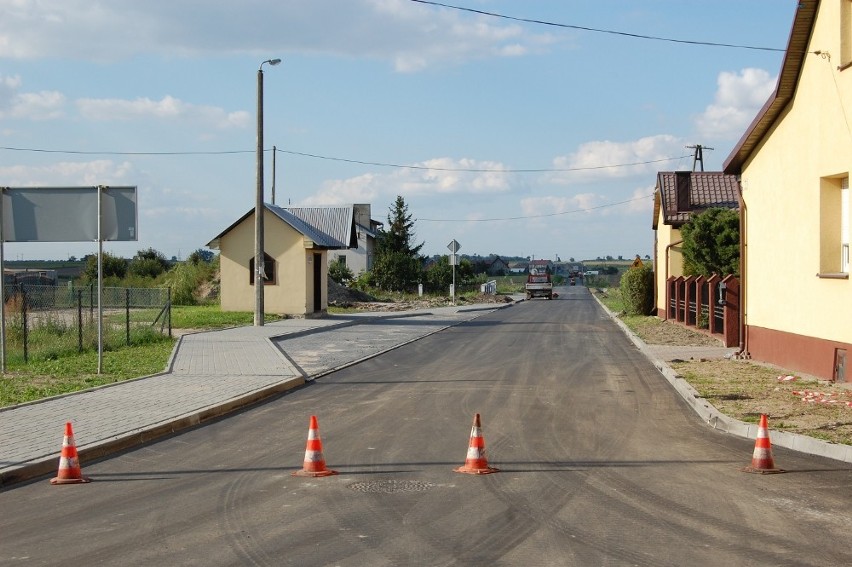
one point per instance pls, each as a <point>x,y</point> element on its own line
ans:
<point>317,283</point>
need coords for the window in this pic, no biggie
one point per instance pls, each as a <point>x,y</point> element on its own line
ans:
<point>268,270</point>
<point>834,227</point>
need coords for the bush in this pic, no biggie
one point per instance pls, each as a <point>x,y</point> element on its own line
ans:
<point>148,263</point>
<point>184,279</point>
<point>637,290</point>
<point>340,272</point>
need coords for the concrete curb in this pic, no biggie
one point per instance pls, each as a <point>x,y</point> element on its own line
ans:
<point>721,422</point>
<point>106,447</point>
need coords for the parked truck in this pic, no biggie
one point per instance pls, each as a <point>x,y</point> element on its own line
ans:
<point>539,284</point>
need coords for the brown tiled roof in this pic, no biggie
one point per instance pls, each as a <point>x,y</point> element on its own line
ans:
<point>788,78</point>
<point>701,190</point>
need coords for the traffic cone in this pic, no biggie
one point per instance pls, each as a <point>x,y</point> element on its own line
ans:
<point>762,461</point>
<point>69,463</point>
<point>476,463</point>
<point>314,461</point>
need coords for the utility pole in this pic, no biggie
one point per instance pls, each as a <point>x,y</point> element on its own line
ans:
<point>698,157</point>
<point>274,152</point>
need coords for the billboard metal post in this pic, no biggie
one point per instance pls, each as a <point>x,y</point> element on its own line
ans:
<point>2,291</point>
<point>100,283</point>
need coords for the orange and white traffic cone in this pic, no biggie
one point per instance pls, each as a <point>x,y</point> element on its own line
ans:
<point>476,462</point>
<point>69,464</point>
<point>761,460</point>
<point>314,461</point>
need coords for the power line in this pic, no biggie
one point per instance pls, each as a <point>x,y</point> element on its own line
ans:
<point>542,216</point>
<point>107,153</point>
<point>483,170</point>
<point>345,160</point>
<point>597,30</point>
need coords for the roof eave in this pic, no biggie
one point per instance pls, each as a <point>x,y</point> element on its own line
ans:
<point>788,78</point>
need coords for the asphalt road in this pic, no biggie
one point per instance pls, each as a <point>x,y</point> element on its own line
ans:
<point>601,464</point>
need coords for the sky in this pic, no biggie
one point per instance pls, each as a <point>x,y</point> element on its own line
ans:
<point>527,128</point>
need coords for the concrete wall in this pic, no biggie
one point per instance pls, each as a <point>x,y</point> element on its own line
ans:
<point>292,292</point>
<point>791,189</point>
<point>667,264</point>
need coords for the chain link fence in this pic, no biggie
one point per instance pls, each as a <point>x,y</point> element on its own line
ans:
<point>45,321</point>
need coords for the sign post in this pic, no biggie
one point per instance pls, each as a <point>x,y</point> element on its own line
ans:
<point>453,247</point>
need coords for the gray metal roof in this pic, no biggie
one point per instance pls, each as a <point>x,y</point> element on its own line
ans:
<point>327,227</point>
<point>332,228</point>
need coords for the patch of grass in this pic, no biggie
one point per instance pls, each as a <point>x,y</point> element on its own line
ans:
<point>73,372</point>
<point>212,317</point>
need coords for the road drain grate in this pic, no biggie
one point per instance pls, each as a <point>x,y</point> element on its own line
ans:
<point>391,486</point>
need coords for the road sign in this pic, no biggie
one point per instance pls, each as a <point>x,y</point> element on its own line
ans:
<point>454,246</point>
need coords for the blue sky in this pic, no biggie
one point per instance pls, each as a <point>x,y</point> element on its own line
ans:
<point>469,103</point>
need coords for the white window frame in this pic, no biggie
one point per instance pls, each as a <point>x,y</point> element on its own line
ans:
<point>844,225</point>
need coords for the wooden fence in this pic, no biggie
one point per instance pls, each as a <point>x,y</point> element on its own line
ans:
<point>710,305</point>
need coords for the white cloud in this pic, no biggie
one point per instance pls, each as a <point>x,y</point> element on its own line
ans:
<point>642,200</point>
<point>409,35</point>
<point>63,174</point>
<point>738,99</point>
<point>42,105</point>
<point>167,108</point>
<point>561,206</point>
<point>447,178</point>
<point>607,160</point>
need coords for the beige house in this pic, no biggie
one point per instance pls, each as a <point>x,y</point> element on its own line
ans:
<point>360,259</point>
<point>677,196</point>
<point>296,241</point>
<point>794,162</point>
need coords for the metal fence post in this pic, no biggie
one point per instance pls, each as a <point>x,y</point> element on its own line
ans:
<point>24,319</point>
<point>79,320</point>
<point>169,303</point>
<point>127,315</point>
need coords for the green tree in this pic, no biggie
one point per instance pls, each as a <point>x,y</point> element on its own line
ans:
<point>148,263</point>
<point>711,243</point>
<point>397,265</point>
<point>113,267</point>
<point>201,256</point>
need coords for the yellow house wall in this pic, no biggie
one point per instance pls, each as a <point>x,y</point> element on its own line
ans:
<point>292,292</point>
<point>782,191</point>
<point>668,265</point>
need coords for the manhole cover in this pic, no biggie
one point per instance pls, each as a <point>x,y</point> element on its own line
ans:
<point>391,486</point>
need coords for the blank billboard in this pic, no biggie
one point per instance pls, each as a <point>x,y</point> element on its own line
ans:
<point>68,214</point>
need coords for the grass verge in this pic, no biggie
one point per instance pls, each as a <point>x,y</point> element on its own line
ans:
<point>745,389</point>
<point>62,371</point>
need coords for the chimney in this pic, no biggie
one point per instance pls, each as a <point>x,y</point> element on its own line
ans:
<point>682,184</point>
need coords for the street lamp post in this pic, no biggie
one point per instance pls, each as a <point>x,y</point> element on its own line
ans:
<point>258,205</point>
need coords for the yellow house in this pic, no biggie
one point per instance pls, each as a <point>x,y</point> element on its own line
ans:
<point>296,245</point>
<point>794,163</point>
<point>677,196</point>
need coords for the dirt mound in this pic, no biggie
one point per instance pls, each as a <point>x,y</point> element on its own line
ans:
<point>342,296</point>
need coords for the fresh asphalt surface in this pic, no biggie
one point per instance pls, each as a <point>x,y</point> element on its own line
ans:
<point>602,463</point>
